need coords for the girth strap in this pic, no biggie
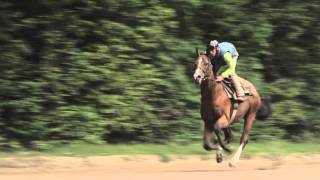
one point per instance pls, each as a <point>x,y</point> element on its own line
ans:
<point>234,109</point>
<point>235,104</point>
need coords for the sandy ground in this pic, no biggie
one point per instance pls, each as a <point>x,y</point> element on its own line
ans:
<point>137,167</point>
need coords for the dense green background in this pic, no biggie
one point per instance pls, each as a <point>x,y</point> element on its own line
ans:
<point>119,71</point>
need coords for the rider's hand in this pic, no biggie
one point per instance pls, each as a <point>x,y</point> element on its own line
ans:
<point>219,78</point>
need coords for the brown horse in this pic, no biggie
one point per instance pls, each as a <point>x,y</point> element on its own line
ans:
<point>216,109</point>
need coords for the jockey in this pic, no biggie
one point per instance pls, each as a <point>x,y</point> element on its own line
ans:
<point>225,55</point>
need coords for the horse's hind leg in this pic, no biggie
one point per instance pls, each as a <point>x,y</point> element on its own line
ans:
<point>249,120</point>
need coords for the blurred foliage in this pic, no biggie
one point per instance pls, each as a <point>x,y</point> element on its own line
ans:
<point>120,71</point>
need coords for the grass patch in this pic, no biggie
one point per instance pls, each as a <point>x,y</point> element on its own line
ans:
<point>124,149</point>
<point>283,147</point>
<point>82,149</point>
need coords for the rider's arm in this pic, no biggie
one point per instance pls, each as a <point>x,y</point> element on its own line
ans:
<point>231,65</point>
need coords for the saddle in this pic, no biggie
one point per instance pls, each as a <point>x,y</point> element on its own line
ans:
<point>231,92</point>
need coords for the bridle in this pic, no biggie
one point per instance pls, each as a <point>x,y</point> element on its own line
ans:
<point>205,70</point>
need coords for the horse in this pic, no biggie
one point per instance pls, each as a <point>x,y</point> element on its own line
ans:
<point>216,110</point>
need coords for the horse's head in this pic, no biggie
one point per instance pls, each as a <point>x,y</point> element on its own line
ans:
<point>202,68</point>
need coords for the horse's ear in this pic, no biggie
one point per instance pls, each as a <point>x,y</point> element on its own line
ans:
<point>197,52</point>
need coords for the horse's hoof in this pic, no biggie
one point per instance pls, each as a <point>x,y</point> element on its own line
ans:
<point>219,159</point>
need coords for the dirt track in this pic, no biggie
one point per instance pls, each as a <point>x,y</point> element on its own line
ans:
<point>155,167</point>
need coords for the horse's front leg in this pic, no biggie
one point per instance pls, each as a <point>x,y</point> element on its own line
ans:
<point>208,137</point>
<point>221,124</point>
<point>207,142</point>
<point>227,135</point>
<point>219,157</point>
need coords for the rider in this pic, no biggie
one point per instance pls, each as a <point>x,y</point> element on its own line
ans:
<point>225,55</point>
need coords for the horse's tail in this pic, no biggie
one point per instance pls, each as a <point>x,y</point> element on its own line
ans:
<point>265,108</point>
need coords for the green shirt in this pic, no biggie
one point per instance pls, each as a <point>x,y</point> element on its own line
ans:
<point>230,67</point>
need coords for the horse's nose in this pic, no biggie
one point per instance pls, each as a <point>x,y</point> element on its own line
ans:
<point>196,76</point>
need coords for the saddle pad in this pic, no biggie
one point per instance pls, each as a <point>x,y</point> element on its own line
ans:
<point>231,92</point>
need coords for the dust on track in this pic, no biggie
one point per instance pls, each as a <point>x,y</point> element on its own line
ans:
<point>134,167</point>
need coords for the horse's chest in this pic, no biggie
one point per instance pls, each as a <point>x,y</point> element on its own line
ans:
<point>208,110</point>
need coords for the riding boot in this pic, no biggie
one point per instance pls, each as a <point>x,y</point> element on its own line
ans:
<point>237,85</point>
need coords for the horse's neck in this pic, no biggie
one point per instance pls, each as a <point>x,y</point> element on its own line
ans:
<point>211,73</point>
<point>210,88</point>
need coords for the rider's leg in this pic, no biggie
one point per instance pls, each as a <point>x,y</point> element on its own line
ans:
<point>237,85</point>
